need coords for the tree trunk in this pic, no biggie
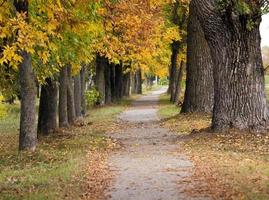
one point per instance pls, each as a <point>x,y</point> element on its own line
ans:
<point>199,93</point>
<point>178,87</point>
<point>77,95</point>
<point>118,81</point>
<point>126,84</point>
<point>113,83</point>
<point>138,82</point>
<point>108,98</point>
<point>71,112</point>
<point>173,68</point>
<point>28,132</point>
<point>47,117</point>
<point>83,88</point>
<point>133,83</point>
<point>63,117</point>
<point>100,77</point>
<point>149,81</point>
<point>239,100</point>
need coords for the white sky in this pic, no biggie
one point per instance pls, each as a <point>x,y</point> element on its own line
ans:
<point>265,30</point>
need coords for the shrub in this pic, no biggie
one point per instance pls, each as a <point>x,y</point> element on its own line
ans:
<point>163,81</point>
<point>92,97</point>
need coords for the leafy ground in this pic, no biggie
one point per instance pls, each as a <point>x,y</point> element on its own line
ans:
<point>234,164</point>
<point>69,164</point>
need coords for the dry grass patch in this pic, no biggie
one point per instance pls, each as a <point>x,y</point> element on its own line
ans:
<point>232,165</point>
<point>64,163</point>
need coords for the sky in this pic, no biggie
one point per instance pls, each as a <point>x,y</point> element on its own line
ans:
<point>264,28</point>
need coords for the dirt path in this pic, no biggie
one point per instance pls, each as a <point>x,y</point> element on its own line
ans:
<point>149,166</point>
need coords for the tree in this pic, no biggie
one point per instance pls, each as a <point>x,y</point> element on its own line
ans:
<point>100,82</point>
<point>179,79</point>
<point>108,86</point>
<point>77,95</point>
<point>63,118</point>
<point>199,93</point>
<point>37,42</point>
<point>71,111</point>
<point>136,32</point>
<point>179,10</point>
<point>28,134</point>
<point>83,89</point>
<point>232,31</point>
<point>47,117</point>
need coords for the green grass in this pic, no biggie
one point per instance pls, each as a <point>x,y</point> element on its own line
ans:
<point>167,109</point>
<point>49,172</point>
<point>147,90</point>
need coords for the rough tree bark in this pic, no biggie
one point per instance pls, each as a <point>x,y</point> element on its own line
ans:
<point>28,132</point>
<point>126,84</point>
<point>100,77</point>
<point>178,87</point>
<point>112,83</point>
<point>63,79</point>
<point>179,21</point>
<point>71,112</point>
<point>138,77</point>
<point>108,98</point>
<point>173,69</point>
<point>199,93</point>
<point>118,81</point>
<point>47,116</point>
<point>133,83</point>
<point>239,100</point>
<point>83,88</point>
<point>77,95</point>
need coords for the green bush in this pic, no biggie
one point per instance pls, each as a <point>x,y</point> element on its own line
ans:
<point>92,97</point>
<point>163,81</point>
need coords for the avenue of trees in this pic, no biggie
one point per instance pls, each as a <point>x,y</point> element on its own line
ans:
<point>52,50</point>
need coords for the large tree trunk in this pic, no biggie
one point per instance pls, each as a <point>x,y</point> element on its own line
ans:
<point>173,69</point>
<point>178,87</point>
<point>71,112</point>
<point>83,88</point>
<point>47,117</point>
<point>63,117</point>
<point>118,81</point>
<point>28,133</point>
<point>199,93</point>
<point>100,77</point>
<point>138,86</point>
<point>108,98</point>
<point>77,95</point>
<point>240,100</point>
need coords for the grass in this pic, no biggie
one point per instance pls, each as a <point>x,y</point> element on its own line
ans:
<point>57,169</point>
<point>167,109</point>
<point>147,90</point>
<point>234,164</point>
